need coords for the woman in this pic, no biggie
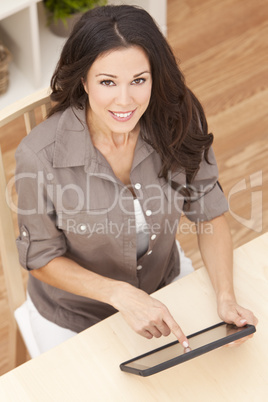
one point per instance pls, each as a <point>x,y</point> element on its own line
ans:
<point>102,183</point>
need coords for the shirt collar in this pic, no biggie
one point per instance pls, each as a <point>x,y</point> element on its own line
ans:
<point>73,146</point>
<point>142,151</point>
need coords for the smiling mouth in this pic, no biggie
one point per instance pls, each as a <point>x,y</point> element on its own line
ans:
<point>120,116</point>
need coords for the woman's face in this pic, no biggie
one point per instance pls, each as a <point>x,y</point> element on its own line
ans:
<point>119,86</point>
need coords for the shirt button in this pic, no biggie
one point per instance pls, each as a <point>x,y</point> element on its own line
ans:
<point>139,267</point>
<point>137,186</point>
<point>149,252</point>
<point>82,227</point>
<point>24,234</point>
<point>148,212</point>
<point>153,237</point>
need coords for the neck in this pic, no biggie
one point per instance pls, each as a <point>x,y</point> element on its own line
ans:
<point>102,135</point>
<point>120,140</point>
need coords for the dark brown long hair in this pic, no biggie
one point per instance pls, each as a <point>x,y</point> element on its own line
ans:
<point>174,122</point>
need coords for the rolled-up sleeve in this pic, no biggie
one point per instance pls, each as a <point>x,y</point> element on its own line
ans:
<point>39,240</point>
<point>207,200</point>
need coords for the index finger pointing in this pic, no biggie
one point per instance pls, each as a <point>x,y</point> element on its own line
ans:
<point>177,331</point>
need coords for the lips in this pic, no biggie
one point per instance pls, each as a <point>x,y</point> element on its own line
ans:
<point>122,116</point>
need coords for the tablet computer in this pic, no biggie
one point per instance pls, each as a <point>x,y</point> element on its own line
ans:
<point>173,353</point>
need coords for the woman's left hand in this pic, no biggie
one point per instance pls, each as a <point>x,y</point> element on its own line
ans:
<point>230,312</point>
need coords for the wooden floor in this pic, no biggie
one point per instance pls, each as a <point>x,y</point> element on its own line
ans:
<point>222,47</point>
<point>223,51</point>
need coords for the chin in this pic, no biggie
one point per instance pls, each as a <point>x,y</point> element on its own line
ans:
<point>123,128</point>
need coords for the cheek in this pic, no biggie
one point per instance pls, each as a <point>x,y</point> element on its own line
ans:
<point>145,97</point>
<point>98,99</point>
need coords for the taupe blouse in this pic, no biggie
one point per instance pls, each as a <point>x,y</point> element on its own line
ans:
<point>70,203</point>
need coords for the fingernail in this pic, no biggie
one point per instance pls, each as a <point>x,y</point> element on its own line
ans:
<point>185,344</point>
<point>187,350</point>
<point>243,321</point>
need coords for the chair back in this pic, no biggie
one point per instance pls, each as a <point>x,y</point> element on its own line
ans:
<point>9,255</point>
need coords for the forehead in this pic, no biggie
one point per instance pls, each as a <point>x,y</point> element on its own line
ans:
<point>128,60</point>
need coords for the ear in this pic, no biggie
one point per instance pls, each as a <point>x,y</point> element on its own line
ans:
<point>84,84</point>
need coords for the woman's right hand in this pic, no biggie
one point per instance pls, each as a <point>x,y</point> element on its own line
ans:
<point>145,315</point>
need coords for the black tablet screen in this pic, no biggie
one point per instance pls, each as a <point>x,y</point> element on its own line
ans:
<point>175,350</point>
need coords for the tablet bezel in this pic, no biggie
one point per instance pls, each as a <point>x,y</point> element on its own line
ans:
<point>245,331</point>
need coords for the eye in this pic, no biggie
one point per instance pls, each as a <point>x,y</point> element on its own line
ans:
<point>138,81</point>
<point>107,83</point>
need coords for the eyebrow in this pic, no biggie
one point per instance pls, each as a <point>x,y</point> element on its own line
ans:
<point>114,76</point>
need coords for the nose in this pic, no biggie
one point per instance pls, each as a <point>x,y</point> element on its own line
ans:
<point>123,97</point>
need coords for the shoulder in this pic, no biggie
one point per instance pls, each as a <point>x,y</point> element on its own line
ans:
<point>42,136</point>
<point>54,128</point>
<point>57,141</point>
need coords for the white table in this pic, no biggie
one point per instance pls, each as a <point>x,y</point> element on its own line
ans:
<point>86,368</point>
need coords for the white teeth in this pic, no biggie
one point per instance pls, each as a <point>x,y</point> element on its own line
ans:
<point>122,114</point>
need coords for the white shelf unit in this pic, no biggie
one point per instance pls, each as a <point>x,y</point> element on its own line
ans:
<point>35,49</point>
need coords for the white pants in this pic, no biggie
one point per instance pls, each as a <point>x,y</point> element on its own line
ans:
<point>186,264</point>
<point>48,335</point>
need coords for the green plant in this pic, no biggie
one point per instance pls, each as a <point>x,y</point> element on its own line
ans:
<point>62,9</point>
